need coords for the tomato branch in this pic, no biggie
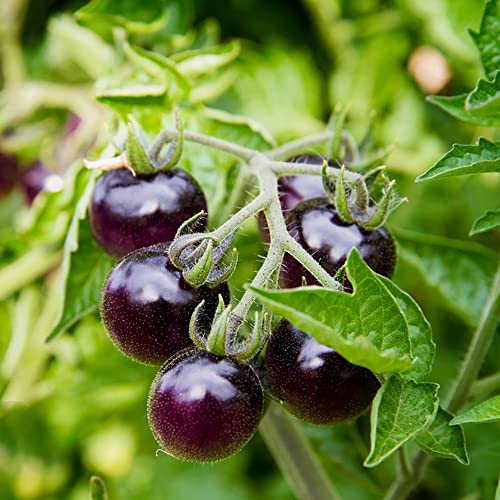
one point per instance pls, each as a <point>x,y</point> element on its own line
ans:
<point>295,457</point>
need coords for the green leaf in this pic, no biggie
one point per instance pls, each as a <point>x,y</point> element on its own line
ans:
<point>443,441</point>
<point>149,79</point>
<point>461,272</point>
<point>455,105</point>
<point>136,17</point>
<point>487,38</point>
<point>488,221</point>
<point>366,327</point>
<point>485,98</point>
<point>421,343</point>
<point>193,63</point>
<point>290,110</point>
<point>131,87</point>
<point>487,411</point>
<point>401,409</point>
<point>84,269</point>
<point>156,64</point>
<point>466,159</point>
<point>234,128</point>
<point>210,87</point>
<point>334,443</point>
<point>97,489</point>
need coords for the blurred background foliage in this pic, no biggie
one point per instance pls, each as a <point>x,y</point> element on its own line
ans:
<point>76,407</point>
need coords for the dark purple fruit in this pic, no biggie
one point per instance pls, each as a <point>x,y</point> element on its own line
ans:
<point>318,228</point>
<point>146,305</point>
<point>127,212</point>
<point>293,189</point>
<point>203,407</point>
<point>37,178</point>
<point>9,173</point>
<point>313,381</point>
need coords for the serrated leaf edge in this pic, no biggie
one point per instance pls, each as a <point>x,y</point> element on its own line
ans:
<point>373,424</point>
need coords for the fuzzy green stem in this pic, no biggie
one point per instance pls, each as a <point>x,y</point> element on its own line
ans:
<point>312,265</point>
<point>268,201</point>
<point>269,193</point>
<point>271,263</point>
<point>478,348</point>
<point>403,486</point>
<point>404,463</point>
<point>295,168</point>
<point>299,146</point>
<point>235,222</point>
<point>294,456</point>
<point>289,446</point>
<point>236,150</point>
<point>485,386</point>
<point>279,232</point>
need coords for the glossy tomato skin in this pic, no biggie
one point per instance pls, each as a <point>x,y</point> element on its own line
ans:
<point>146,305</point>
<point>128,212</point>
<point>203,407</point>
<point>313,382</point>
<point>318,228</point>
<point>293,189</point>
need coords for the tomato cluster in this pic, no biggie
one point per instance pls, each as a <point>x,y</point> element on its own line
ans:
<point>202,406</point>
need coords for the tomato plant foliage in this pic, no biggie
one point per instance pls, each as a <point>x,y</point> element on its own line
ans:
<point>149,87</point>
